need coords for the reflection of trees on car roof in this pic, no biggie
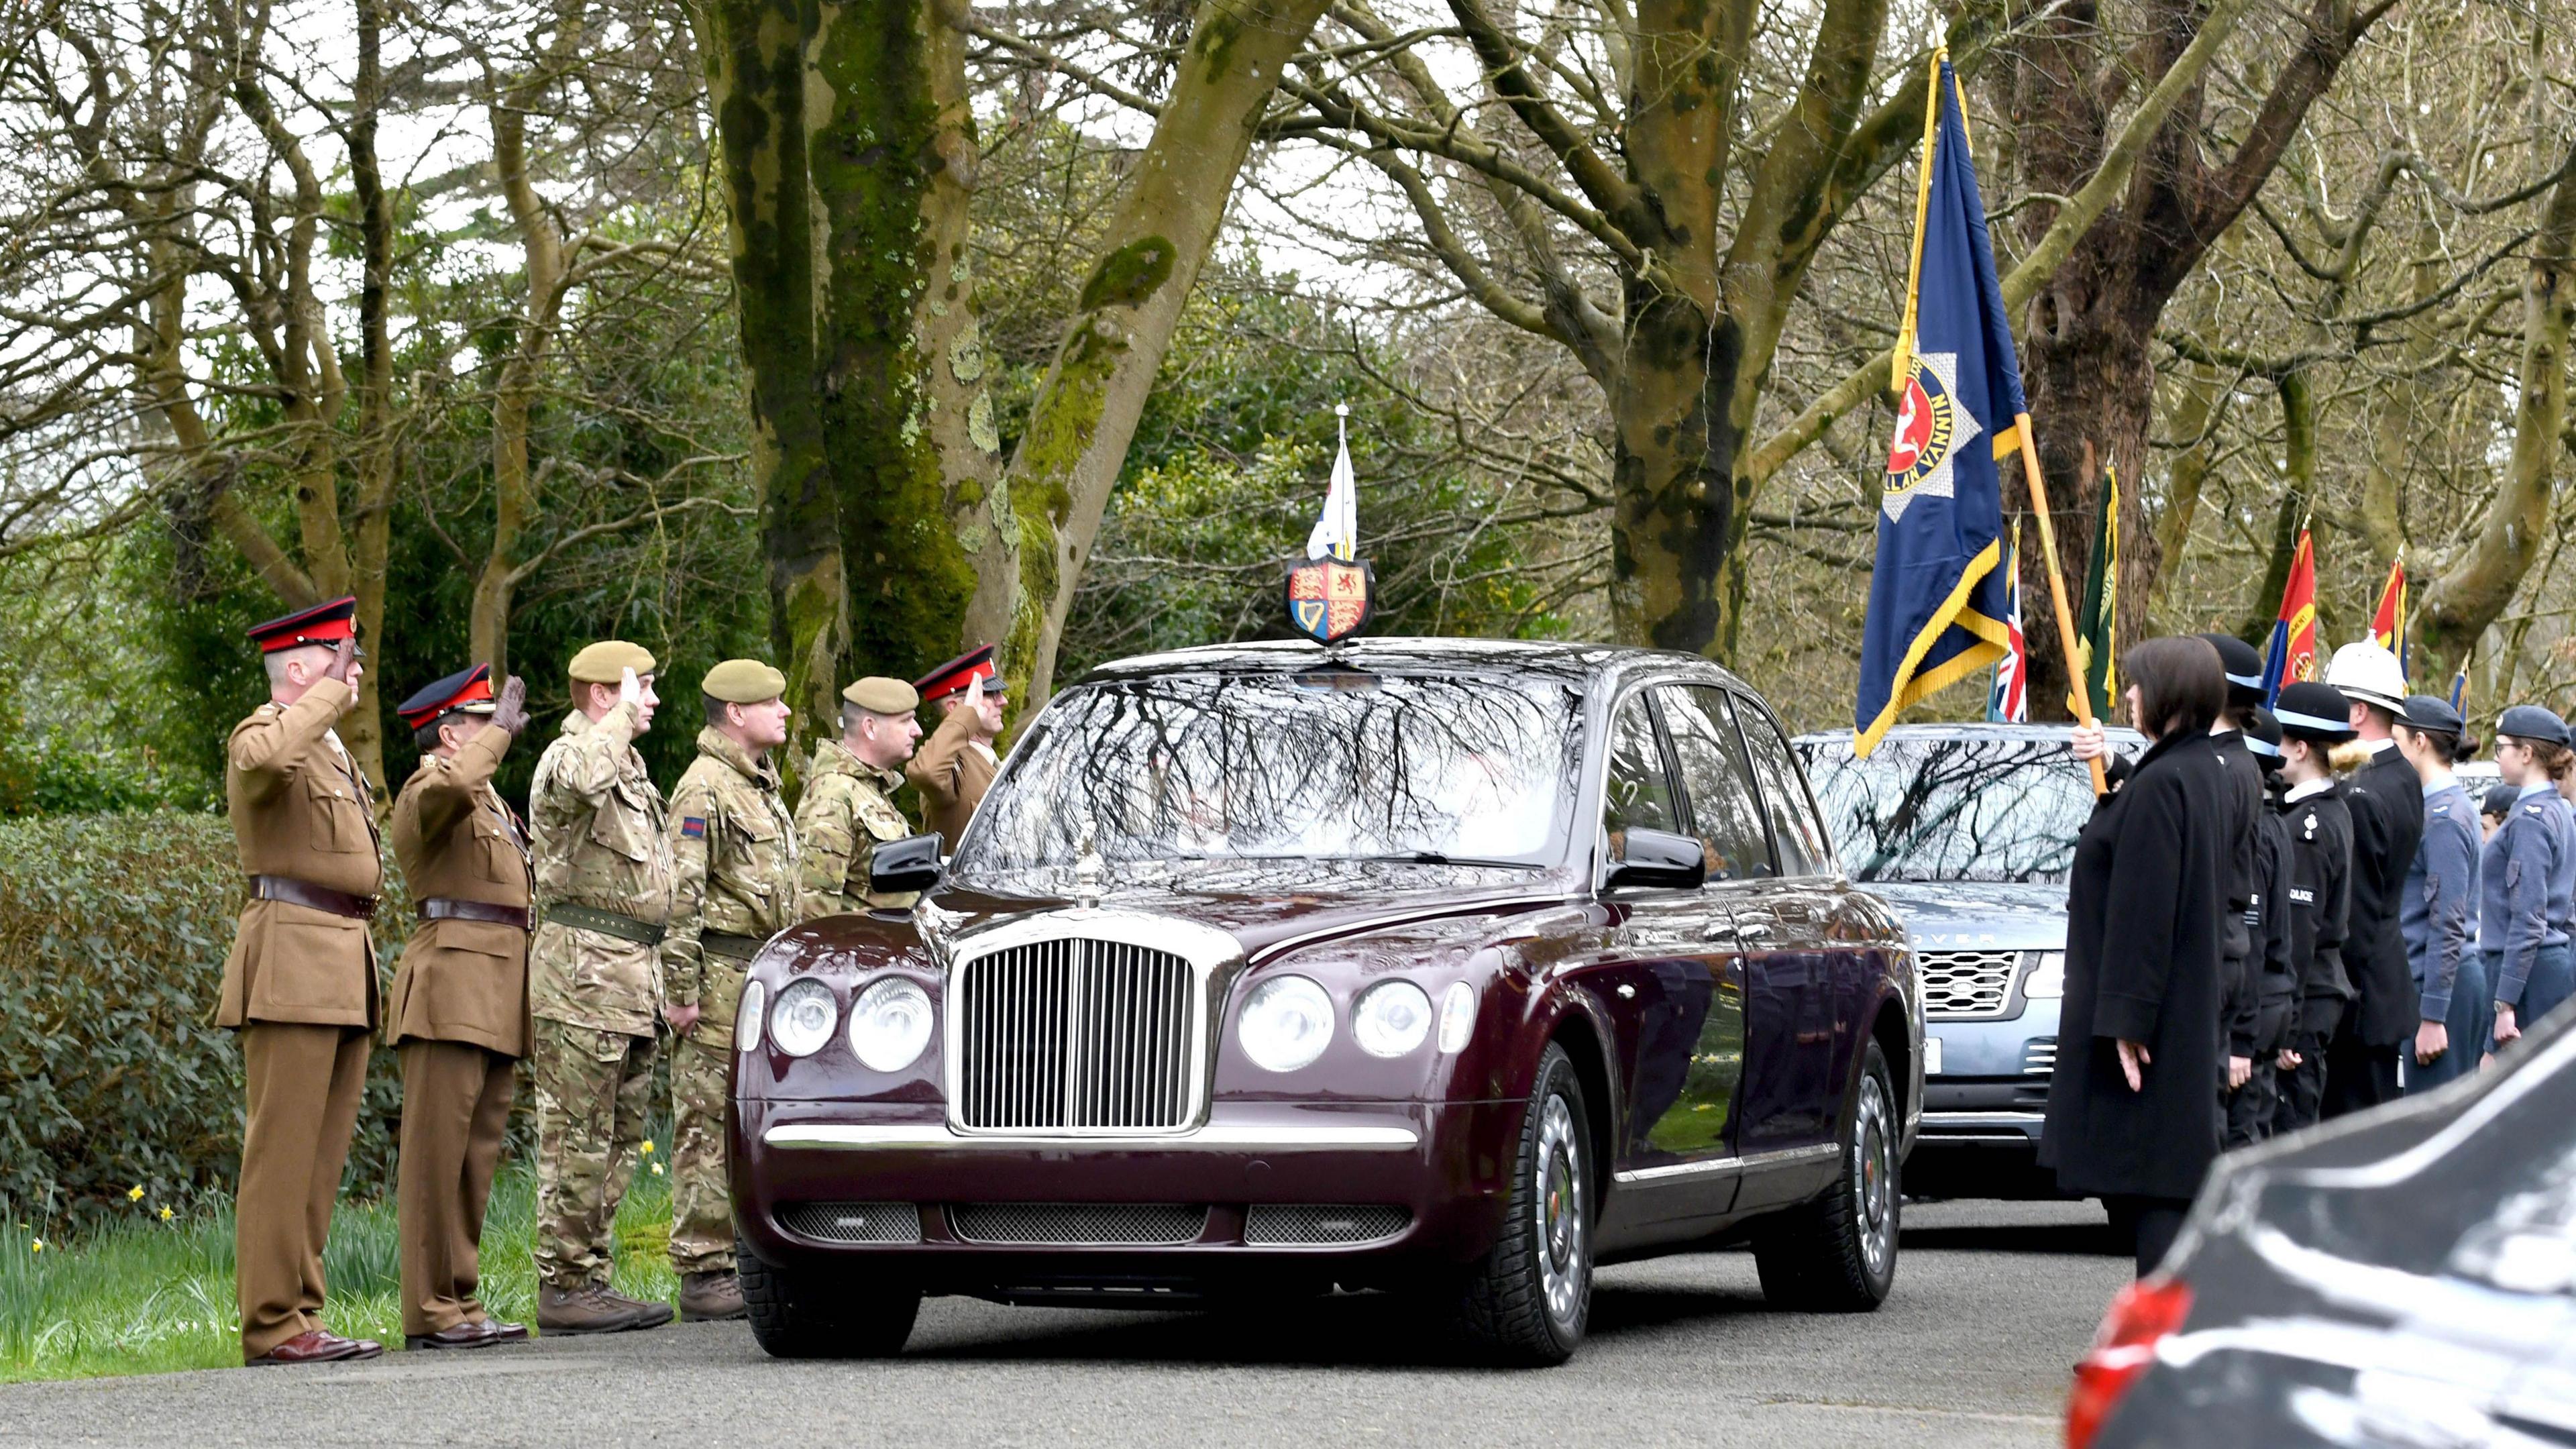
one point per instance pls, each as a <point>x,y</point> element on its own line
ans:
<point>2000,808</point>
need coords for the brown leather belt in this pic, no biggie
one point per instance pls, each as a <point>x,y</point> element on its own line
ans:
<point>731,946</point>
<point>312,897</point>
<point>440,908</point>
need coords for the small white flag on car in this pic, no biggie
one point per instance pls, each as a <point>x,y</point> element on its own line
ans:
<point>1337,532</point>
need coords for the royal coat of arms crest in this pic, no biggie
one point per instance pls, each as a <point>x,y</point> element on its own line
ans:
<point>1329,599</point>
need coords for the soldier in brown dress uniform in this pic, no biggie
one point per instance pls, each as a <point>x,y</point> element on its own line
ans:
<point>956,765</point>
<point>300,983</point>
<point>460,999</point>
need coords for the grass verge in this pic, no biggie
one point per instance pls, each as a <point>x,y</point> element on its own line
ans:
<point>151,1296</point>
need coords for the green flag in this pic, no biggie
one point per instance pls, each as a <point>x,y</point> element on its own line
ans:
<point>2091,667</point>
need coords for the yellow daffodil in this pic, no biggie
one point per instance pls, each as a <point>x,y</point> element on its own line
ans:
<point>165,1214</point>
<point>37,1246</point>
<point>648,1146</point>
<point>134,1193</point>
<point>657,1169</point>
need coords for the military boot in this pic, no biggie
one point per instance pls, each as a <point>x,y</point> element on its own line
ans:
<point>708,1296</point>
<point>592,1308</point>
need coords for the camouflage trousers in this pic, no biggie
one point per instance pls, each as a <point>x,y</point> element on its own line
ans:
<point>593,1089</point>
<point>701,1195</point>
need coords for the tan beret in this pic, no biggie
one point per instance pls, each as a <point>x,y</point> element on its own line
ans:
<point>607,661</point>
<point>879,695</point>
<point>743,681</point>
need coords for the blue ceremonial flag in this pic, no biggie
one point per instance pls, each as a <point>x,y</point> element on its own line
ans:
<point>1937,596</point>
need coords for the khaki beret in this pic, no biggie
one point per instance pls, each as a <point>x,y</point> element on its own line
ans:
<point>743,681</point>
<point>606,661</point>
<point>879,695</point>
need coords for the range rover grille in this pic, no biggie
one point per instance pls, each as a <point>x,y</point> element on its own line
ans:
<point>1966,984</point>
<point>1075,1035</point>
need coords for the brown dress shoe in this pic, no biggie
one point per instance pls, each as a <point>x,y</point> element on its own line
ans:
<point>505,1332</point>
<point>459,1335</point>
<point>319,1345</point>
<point>708,1297</point>
<point>592,1308</point>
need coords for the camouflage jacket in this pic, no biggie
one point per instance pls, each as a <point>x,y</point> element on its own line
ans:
<point>846,812</point>
<point>596,824</point>
<point>736,849</point>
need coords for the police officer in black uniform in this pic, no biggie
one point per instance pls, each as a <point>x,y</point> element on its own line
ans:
<point>2243,804</point>
<point>2314,719</point>
<point>2386,798</point>
<point>2274,986</point>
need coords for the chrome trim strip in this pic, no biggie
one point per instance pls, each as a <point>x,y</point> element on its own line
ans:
<point>1981,1119</point>
<point>1782,1157</point>
<point>1464,906</point>
<point>846,1137</point>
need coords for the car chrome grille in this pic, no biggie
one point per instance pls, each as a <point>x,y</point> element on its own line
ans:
<point>1966,984</point>
<point>1296,1222</point>
<point>1075,1035</point>
<point>853,1222</point>
<point>1115,1224</point>
<point>2039,1056</point>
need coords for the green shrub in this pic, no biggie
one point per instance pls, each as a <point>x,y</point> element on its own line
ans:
<point>113,931</point>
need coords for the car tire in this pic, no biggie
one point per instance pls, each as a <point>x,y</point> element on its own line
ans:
<point>1527,1301</point>
<point>823,1315</point>
<point>1837,1252</point>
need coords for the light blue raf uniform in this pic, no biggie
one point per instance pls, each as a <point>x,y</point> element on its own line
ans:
<point>2436,914</point>
<point>2527,892</point>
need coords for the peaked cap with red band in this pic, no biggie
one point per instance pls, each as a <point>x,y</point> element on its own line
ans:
<point>467,690</point>
<point>323,624</point>
<point>953,676</point>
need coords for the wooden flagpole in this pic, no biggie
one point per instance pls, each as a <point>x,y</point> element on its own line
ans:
<point>2057,587</point>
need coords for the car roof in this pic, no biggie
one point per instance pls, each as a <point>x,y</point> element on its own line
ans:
<point>1572,663</point>
<point>1977,729</point>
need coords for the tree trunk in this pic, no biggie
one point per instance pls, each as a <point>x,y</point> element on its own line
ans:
<point>374,503</point>
<point>1086,409</point>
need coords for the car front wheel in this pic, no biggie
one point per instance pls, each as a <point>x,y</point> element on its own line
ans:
<point>805,1314</point>
<point>1837,1253</point>
<point>1530,1296</point>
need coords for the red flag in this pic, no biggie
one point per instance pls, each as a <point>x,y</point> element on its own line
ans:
<point>2388,621</point>
<point>2294,633</point>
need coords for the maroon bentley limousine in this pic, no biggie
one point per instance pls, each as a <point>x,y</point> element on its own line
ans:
<point>1446,968</point>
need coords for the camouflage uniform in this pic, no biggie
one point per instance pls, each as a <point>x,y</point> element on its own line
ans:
<point>735,845</point>
<point>847,811</point>
<point>600,847</point>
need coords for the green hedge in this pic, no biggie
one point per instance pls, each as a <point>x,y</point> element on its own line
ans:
<point>113,930</point>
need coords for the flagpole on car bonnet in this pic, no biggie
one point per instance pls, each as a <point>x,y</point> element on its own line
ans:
<point>2029,451</point>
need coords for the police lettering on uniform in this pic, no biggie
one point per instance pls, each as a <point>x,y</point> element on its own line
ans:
<point>956,764</point>
<point>2527,874</point>
<point>300,983</point>
<point>604,880</point>
<point>2437,912</point>
<point>2387,804</point>
<point>2314,719</point>
<point>459,1012</point>
<point>848,807</point>
<point>737,884</point>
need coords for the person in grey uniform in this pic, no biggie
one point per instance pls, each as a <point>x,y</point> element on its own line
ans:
<point>2527,874</point>
<point>2437,904</point>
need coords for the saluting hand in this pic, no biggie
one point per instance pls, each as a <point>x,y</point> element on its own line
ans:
<point>629,689</point>
<point>511,712</point>
<point>343,655</point>
<point>2133,1063</point>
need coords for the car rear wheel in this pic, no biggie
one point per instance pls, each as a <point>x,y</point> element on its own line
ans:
<point>1837,1253</point>
<point>806,1314</point>
<point>1530,1296</point>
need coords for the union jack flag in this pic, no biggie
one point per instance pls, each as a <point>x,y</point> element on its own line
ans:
<point>2009,701</point>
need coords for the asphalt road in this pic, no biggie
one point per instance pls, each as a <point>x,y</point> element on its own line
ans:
<point>1992,1303</point>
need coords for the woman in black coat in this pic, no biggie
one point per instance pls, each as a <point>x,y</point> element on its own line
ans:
<point>2133,1105</point>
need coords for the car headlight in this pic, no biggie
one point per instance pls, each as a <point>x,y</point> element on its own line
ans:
<point>1391,1018</point>
<point>1286,1023</point>
<point>802,1020</point>
<point>1457,1016</point>
<point>746,1017</point>
<point>890,1024</point>
<point>2047,978</point>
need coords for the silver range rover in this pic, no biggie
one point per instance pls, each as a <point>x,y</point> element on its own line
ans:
<point>1968,830</point>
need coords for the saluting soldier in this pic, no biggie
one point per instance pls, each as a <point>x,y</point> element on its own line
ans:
<point>460,999</point>
<point>956,764</point>
<point>300,983</point>
<point>848,807</point>
<point>604,876</point>
<point>735,845</point>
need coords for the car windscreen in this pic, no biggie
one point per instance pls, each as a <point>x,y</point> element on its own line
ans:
<point>1970,808</point>
<point>1319,767</point>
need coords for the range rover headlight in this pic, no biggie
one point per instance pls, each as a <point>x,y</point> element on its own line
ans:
<point>2047,978</point>
<point>1287,1022</point>
<point>802,1020</point>
<point>1391,1018</point>
<point>747,1016</point>
<point>890,1024</point>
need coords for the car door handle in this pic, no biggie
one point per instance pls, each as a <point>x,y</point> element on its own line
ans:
<point>1725,933</point>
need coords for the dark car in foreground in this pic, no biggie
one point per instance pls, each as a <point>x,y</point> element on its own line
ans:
<point>1967,830</point>
<point>1441,967</point>
<point>2404,1277</point>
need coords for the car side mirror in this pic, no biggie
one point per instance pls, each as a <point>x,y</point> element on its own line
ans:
<point>1660,859</point>
<point>909,864</point>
